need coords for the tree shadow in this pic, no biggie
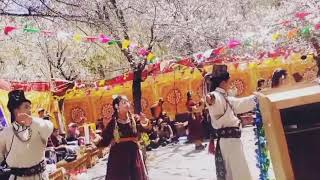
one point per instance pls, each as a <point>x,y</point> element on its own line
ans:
<point>192,152</point>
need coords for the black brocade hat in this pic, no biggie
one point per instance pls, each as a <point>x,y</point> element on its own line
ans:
<point>218,70</point>
<point>16,98</point>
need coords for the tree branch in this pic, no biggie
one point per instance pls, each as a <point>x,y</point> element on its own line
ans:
<point>66,3</point>
<point>121,19</point>
<point>152,38</point>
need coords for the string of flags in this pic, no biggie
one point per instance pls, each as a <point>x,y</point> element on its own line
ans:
<point>223,49</point>
<point>292,32</point>
<point>77,37</point>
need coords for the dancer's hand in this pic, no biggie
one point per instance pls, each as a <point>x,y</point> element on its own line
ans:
<point>24,119</point>
<point>210,99</point>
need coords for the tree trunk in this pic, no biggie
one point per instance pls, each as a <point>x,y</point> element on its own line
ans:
<point>60,119</point>
<point>316,57</point>
<point>136,91</point>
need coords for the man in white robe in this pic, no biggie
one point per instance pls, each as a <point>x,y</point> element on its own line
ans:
<point>22,145</point>
<point>223,109</point>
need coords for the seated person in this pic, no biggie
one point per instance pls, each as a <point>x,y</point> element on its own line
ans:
<point>261,84</point>
<point>154,139</point>
<point>73,132</point>
<point>94,137</point>
<point>57,139</point>
<point>159,115</point>
<point>165,132</point>
<point>99,124</point>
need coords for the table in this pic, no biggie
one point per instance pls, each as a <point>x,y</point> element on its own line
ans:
<point>79,164</point>
<point>93,156</point>
<point>57,175</point>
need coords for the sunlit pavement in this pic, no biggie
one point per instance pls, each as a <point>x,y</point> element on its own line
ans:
<point>182,162</point>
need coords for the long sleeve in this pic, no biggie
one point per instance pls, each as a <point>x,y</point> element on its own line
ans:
<point>107,135</point>
<point>144,127</point>
<point>44,127</point>
<point>2,146</point>
<point>170,131</point>
<point>242,105</point>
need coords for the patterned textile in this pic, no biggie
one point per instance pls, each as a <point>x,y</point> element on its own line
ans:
<point>229,132</point>
<point>22,172</point>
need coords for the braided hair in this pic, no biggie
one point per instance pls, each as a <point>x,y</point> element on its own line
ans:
<point>115,115</point>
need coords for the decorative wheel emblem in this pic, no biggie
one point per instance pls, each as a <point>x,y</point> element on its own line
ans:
<point>309,75</point>
<point>76,114</point>
<point>107,111</point>
<point>174,96</point>
<point>239,85</point>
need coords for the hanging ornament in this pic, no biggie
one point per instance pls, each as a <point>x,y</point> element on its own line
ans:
<point>261,55</point>
<point>286,23</point>
<point>107,88</point>
<point>302,15</point>
<point>253,65</point>
<point>208,54</point>
<point>151,57</point>
<point>125,76</point>
<point>63,36</point>
<point>287,53</point>
<point>96,86</point>
<point>247,43</point>
<point>125,44</point>
<point>77,37</point>
<point>243,66</point>
<point>292,33</point>
<point>236,65</point>
<point>273,54</point>
<point>305,32</point>
<point>142,52</point>
<point>112,42</point>
<point>199,56</point>
<point>88,92</point>
<point>267,62</point>
<point>8,29</point>
<point>317,26</point>
<point>47,33</point>
<point>30,30</point>
<point>91,39</point>
<point>101,83</point>
<point>263,161</point>
<point>104,39</point>
<point>276,36</point>
<point>218,51</point>
<point>233,43</point>
<point>178,58</point>
<point>132,47</point>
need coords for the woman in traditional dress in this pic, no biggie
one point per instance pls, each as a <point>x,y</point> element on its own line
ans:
<point>23,144</point>
<point>195,118</point>
<point>125,159</point>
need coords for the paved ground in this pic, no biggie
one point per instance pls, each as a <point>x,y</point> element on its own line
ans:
<point>181,162</point>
